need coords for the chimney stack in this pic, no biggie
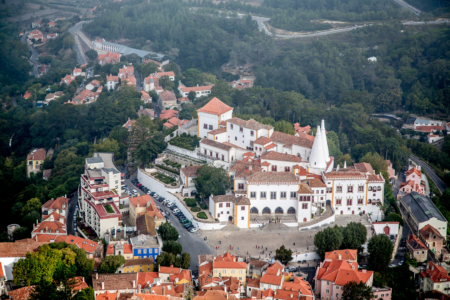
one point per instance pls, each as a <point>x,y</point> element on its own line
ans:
<point>96,275</point>
<point>163,290</point>
<point>139,289</point>
<point>83,279</point>
<point>340,256</point>
<point>134,284</point>
<point>103,285</point>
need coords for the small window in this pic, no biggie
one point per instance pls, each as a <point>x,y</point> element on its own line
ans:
<point>293,195</point>
<point>274,168</point>
<point>339,189</point>
<point>240,186</point>
<point>287,169</point>
<point>273,195</point>
<point>241,129</point>
<point>252,194</point>
<point>242,207</point>
<point>349,202</point>
<point>263,195</point>
<point>228,204</point>
<point>242,218</point>
<point>210,127</point>
<point>252,133</point>
<point>220,204</point>
<point>235,138</point>
<point>350,189</point>
<point>231,126</point>
<point>205,126</point>
<point>283,195</point>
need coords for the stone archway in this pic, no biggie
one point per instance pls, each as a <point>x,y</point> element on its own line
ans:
<point>291,211</point>
<point>254,210</point>
<point>387,230</point>
<point>266,211</point>
<point>279,211</point>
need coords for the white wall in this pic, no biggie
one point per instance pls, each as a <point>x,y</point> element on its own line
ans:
<point>305,256</point>
<point>273,204</point>
<point>209,120</point>
<point>379,228</point>
<point>8,264</point>
<point>242,216</point>
<point>280,164</point>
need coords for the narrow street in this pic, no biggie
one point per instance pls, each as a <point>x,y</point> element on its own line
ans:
<point>192,243</point>
<point>70,219</point>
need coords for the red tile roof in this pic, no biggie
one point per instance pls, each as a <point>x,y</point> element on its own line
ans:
<point>273,177</point>
<point>215,107</point>
<point>167,96</point>
<point>106,296</point>
<point>288,140</point>
<point>341,272</point>
<point>146,278</point>
<point>112,78</point>
<point>347,254</point>
<point>88,245</point>
<point>250,124</point>
<point>272,155</point>
<point>429,128</point>
<point>414,170</point>
<point>1,271</point>
<point>299,285</point>
<point>218,130</point>
<point>50,227</point>
<point>272,279</point>
<point>364,167</point>
<point>435,273</point>
<point>79,284</point>
<point>126,249</point>
<point>190,171</point>
<point>270,146</point>
<point>268,293</point>
<point>37,154</point>
<point>27,95</point>
<point>415,243</point>
<point>286,295</point>
<point>429,230</point>
<point>197,88</point>
<point>21,293</point>
<point>56,203</point>
<point>169,270</point>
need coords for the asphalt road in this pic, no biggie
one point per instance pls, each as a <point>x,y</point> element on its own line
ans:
<point>34,55</point>
<point>437,181</point>
<point>263,27</point>
<point>77,47</point>
<point>72,204</point>
<point>138,81</point>
<point>192,243</point>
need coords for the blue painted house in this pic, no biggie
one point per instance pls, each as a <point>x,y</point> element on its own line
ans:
<point>145,246</point>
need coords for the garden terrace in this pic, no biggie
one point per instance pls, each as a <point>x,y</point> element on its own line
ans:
<point>183,159</point>
<point>198,210</point>
<point>186,141</point>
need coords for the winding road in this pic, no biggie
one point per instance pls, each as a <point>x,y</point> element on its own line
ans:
<point>436,179</point>
<point>81,57</point>
<point>34,55</point>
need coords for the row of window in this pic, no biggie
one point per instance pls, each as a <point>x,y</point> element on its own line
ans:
<point>349,202</point>
<point>229,205</point>
<point>225,272</point>
<point>241,129</point>
<point>273,195</point>
<point>217,155</point>
<point>206,126</point>
<point>149,251</point>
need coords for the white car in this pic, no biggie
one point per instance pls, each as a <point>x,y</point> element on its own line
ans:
<point>193,230</point>
<point>176,210</point>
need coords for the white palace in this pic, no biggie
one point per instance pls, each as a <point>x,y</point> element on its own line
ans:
<point>279,174</point>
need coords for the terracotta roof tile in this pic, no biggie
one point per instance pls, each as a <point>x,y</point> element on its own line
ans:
<point>250,124</point>
<point>139,261</point>
<point>88,245</point>
<point>121,281</point>
<point>272,155</point>
<point>57,203</point>
<point>316,183</point>
<point>415,243</point>
<point>364,167</point>
<point>21,293</point>
<point>145,224</point>
<point>146,277</point>
<point>414,170</point>
<point>272,279</point>
<point>190,171</point>
<point>346,254</point>
<point>287,139</point>
<point>304,189</point>
<point>169,270</point>
<point>197,88</point>
<point>262,140</point>
<point>436,273</point>
<point>215,107</point>
<point>215,144</point>
<point>37,154</point>
<point>231,198</point>
<point>429,230</point>
<point>273,177</point>
<point>218,131</point>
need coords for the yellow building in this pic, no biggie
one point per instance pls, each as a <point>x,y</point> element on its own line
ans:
<point>145,205</point>
<point>36,158</point>
<point>137,265</point>
<point>228,266</point>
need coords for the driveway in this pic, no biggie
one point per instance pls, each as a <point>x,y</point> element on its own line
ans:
<point>192,243</point>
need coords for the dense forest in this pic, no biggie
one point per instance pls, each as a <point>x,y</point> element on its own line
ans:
<point>304,15</point>
<point>192,38</point>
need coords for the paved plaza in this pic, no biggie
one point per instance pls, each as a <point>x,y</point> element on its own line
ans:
<point>244,242</point>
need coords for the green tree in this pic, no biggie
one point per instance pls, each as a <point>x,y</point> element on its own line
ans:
<point>59,191</point>
<point>148,141</point>
<point>21,233</point>
<point>168,232</point>
<point>357,291</point>
<point>172,247</point>
<point>211,180</point>
<point>355,235</point>
<point>111,263</point>
<point>192,95</point>
<point>376,161</point>
<point>285,127</point>
<point>393,217</point>
<point>185,260</point>
<point>147,69</point>
<point>166,83</point>
<point>380,248</point>
<point>37,266</point>
<point>92,54</point>
<point>107,145</point>
<point>34,204</point>
<point>284,255</point>
<point>165,259</point>
<point>328,239</point>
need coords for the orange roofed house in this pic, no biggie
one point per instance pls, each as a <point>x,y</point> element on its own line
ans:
<point>413,183</point>
<point>210,116</point>
<point>145,205</point>
<point>109,58</point>
<point>228,265</point>
<point>434,278</point>
<point>333,274</point>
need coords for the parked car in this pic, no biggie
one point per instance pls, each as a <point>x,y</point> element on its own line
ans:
<point>118,229</point>
<point>291,269</point>
<point>153,194</point>
<point>193,230</point>
<point>176,210</point>
<point>128,176</point>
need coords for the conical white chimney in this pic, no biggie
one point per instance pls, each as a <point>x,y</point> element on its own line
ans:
<point>317,158</point>
<point>325,142</point>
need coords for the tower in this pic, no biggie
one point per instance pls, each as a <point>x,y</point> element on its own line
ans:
<point>317,159</point>
<point>325,142</point>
